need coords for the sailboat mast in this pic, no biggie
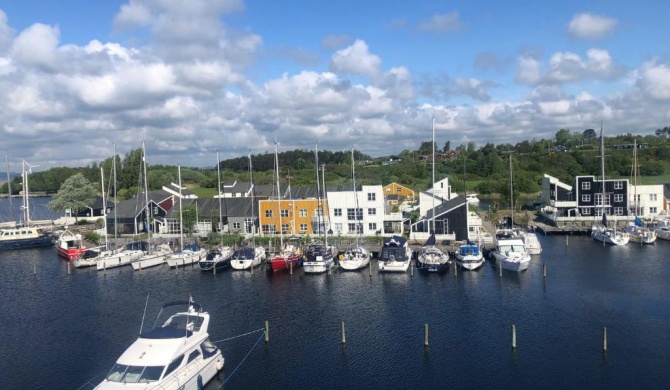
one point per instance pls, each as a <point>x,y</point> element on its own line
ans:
<point>114,173</point>
<point>433,169</point>
<point>602,167</point>
<point>511,189</point>
<point>253,223</point>
<point>281,231</point>
<point>9,191</point>
<point>181,215</point>
<point>218,178</point>
<point>26,204</point>
<point>359,229</point>
<point>104,203</point>
<point>146,192</point>
<point>323,213</point>
<point>318,191</point>
<point>635,168</point>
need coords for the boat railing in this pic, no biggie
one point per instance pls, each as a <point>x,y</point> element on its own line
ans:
<point>175,375</point>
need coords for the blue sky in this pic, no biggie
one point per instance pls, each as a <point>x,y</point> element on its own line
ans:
<point>234,75</point>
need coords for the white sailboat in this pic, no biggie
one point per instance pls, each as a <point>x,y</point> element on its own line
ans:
<point>602,232</point>
<point>252,256</point>
<point>188,254</point>
<point>636,230</point>
<point>154,256</point>
<point>431,258</point>
<point>356,256</point>
<point>510,251</point>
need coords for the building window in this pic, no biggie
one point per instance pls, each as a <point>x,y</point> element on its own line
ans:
<point>399,190</point>
<point>618,185</point>
<point>618,211</point>
<point>352,228</point>
<point>354,214</point>
<point>303,227</point>
<point>155,210</point>
<point>586,198</point>
<point>586,185</point>
<point>338,228</point>
<point>284,213</point>
<point>372,196</point>
<point>372,226</point>
<point>618,198</point>
<point>337,212</point>
<point>652,197</point>
<point>236,225</point>
<point>269,229</point>
<point>652,210</point>
<point>372,211</point>
<point>284,228</point>
<point>268,213</point>
<point>388,189</point>
<point>303,213</point>
<point>586,211</point>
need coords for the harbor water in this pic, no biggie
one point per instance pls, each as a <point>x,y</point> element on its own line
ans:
<point>65,331</point>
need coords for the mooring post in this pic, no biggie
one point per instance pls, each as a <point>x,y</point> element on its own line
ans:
<point>513,336</point>
<point>425,335</point>
<point>499,268</point>
<point>411,269</point>
<point>566,240</point>
<point>344,337</point>
<point>267,331</point>
<point>604,339</point>
<point>455,269</point>
<point>214,268</point>
<point>34,268</point>
<point>370,269</point>
<point>290,268</point>
<point>68,267</point>
<point>544,270</point>
<point>183,264</point>
<point>140,264</point>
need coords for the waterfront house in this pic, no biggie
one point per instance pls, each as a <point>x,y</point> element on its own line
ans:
<point>450,222</point>
<point>130,216</point>
<point>394,191</point>
<point>299,214</point>
<point>347,219</point>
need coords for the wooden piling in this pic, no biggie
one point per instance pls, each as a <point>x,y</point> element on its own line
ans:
<point>370,269</point>
<point>499,268</point>
<point>411,269</point>
<point>455,269</point>
<point>69,271</point>
<point>290,268</point>
<point>566,240</point>
<point>604,339</point>
<point>214,269</point>
<point>513,336</point>
<point>267,331</point>
<point>344,337</point>
<point>544,270</point>
<point>34,269</point>
<point>425,335</point>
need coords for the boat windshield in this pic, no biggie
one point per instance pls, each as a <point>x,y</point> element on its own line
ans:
<point>511,248</point>
<point>183,321</point>
<point>469,250</point>
<point>397,254</point>
<point>134,374</point>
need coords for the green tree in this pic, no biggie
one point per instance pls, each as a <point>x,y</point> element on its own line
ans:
<point>76,193</point>
<point>562,137</point>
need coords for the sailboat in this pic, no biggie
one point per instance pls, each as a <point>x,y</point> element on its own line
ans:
<point>431,258</point>
<point>154,256</point>
<point>290,254</point>
<point>23,235</point>
<point>510,251</point>
<point>636,230</point>
<point>217,258</point>
<point>602,232</point>
<point>188,254</point>
<point>248,257</point>
<point>356,256</point>
<point>319,256</point>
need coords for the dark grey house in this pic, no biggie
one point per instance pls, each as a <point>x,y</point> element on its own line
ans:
<point>451,217</point>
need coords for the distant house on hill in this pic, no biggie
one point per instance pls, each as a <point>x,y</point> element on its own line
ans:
<point>394,191</point>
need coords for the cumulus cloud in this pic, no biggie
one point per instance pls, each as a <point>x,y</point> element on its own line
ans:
<point>356,60</point>
<point>590,26</point>
<point>654,80</point>
<point>441,23</point>
<point>36,46</point>
<point>444,88</point>
<point>568,67</point>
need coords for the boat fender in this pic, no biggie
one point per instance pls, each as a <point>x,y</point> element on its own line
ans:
<point>219,365</point>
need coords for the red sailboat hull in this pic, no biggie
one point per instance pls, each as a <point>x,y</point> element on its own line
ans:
<point>280,263</point>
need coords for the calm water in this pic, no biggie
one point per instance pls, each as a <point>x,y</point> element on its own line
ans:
<point>61,331</point>
<point>38,209</point>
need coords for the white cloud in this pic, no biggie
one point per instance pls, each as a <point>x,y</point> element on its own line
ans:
<point>654,80</point>
<point>132,15</point>
<point>355,59</point>
<point>441,23</point>
<point>36,46</point>
<point>590,26</point>
<point>568,67</point>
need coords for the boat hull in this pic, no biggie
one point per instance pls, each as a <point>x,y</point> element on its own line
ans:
<point>70,253</point>
<point>185,258</point>
<point>37,242</point>
<point>148,261</point>
<point>469,262</point>
<point>118,260</point>
<point>394,266</point>
<point>282,263</point>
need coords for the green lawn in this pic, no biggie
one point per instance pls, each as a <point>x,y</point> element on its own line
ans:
<point>662,179</point>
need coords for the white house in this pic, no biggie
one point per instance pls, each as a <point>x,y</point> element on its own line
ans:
<point>434,197</point>
<point>345,216</point>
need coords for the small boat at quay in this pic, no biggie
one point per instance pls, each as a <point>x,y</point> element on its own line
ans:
<point>662,229</point>
<point>318,258</point>
<point>70,245</point>
<point>24,237</point>
<point>469,256</point>
<point>247,257</point>
<point>431,258</point>
<point>191,254</point>
<point>217,259</point>
<point>176,355</point>
<point>130,252</point>
<point>395,255</point>
<point>510,253</point>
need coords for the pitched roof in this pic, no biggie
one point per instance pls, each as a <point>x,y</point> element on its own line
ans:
<point>231,207</point>
<point>446,207</point>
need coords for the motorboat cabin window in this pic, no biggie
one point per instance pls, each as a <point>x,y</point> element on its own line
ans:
<point>193,355</point>
<point>183,321</point>
<point>134,374</point>
<point>174,365</point>
<point>393,254</point>
<point>511,248</point>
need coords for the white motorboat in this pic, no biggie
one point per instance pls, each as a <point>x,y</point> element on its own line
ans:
<point>472,198</point>
<point>156,256</point>
<point>191,254</point>
<point>510,253</point>
<point>469,256</point>
<point>247,258</point>
<point>176,355</point>
<point>318,258</point>
<point>395,255</point>
<point>530,241</point>
<point>355,257</point>
<point>130,252</point>
<point>663,229</point>
<point>639,234</point>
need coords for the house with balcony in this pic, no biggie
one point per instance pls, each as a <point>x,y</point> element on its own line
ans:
<point>394,192</point>
<point>301,213</point>
<point>360,210</point>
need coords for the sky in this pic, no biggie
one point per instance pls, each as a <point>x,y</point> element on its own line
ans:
<point>78,77</point>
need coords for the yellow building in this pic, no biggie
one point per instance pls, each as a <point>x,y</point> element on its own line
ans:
<point>394,191</point>
<point>298,216</point>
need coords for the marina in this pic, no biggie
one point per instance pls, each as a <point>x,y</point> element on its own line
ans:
<point>75,325</point>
